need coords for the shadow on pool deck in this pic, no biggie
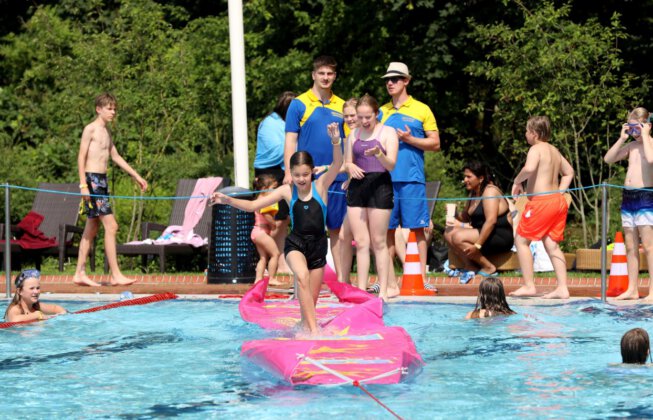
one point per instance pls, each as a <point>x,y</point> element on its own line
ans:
<point>197,285</point>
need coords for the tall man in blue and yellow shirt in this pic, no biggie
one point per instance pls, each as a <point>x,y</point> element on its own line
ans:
<point>306,130</point>
<point>418,133</point>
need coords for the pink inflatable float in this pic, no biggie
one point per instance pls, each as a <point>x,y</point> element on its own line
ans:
<point>355,344</point>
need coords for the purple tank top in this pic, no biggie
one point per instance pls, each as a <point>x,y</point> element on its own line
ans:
<point>367,163</point>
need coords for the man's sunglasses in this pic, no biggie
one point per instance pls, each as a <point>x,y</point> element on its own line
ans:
<point>394,79</point>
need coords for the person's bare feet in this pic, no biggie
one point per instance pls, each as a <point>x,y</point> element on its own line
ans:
<point>557,293</point>
<point>121,281</point>
<point>393,292</point>
<point>274,282</point>
<point>304,331</point>
<point>648,299</point>
<point>628,295</point>
<point>524,291</point>
<point>83,280</point>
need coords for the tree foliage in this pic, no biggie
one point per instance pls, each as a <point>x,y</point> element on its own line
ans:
<point>568,71</point>
<point>168,63</point>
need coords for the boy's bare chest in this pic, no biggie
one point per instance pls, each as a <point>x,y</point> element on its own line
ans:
<point>101,140</point>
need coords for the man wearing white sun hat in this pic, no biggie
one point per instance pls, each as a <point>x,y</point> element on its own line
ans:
<point>418,133</point>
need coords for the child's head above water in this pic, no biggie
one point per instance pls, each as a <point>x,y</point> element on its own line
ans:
<point>492,297</point>
<point>635,346</point>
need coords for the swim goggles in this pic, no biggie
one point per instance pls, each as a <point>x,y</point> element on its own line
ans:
<point>27,274</point>
<point>635,129</point>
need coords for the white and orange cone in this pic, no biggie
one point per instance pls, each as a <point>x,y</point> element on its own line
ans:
<point>618,281</point>
<point>412,283</point>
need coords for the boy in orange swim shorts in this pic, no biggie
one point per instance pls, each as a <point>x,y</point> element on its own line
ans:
<point>545,214</point>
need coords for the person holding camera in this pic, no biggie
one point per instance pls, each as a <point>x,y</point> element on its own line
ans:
<point>637,204</point>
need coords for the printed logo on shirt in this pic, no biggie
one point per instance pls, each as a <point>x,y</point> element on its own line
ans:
<point>305,207</point>
<point>407,119</point>
<point>336,114</point>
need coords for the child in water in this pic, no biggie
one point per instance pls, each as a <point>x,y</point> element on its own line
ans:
<point>491,300</point>
<point>306,246</point>
<point>635,346</point>
<point>264,226</point>
<point>25,306</point>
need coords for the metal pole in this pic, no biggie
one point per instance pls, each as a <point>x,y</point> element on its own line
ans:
<point>7,242</point>
<point>238,93</point>
<point>604,242</point>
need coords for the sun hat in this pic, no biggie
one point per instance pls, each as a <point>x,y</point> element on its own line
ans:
<point>397,69</point>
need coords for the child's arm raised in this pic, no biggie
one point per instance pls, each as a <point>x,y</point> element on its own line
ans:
<point>330,175</point>
<point>280,193</point>
<point>618,151</point>
<point>648,142</point>
<point>122,163</point>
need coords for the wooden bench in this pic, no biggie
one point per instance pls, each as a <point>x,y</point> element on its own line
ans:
<point>590,259</point>
<point>508,261</point>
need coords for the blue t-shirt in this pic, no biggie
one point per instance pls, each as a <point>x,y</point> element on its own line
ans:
<point>270,139</point>
<point>309,117</point>
<point>419,118</point>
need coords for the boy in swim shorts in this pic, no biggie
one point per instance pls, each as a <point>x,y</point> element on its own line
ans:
<point>95,149</point>
<point>637,204</point>
<point>545,214</point>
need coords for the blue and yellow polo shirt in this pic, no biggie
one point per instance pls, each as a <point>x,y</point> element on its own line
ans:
<point>419,118</point>
<point>309,117</point>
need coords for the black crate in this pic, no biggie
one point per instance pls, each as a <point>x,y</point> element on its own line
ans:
<point>232,255</point>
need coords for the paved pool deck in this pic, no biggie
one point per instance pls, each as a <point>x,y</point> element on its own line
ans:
<point>196,286</point>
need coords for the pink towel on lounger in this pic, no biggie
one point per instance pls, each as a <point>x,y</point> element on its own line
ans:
<point>196,206</point>
<point>184,234</point>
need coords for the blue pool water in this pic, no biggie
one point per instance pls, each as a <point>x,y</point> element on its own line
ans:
<point>182,358</point>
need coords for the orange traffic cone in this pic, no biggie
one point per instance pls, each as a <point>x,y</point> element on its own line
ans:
<point>618,281</point>
<point>413,283</point>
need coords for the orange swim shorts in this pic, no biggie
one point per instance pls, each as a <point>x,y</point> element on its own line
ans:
<point>544,215</point>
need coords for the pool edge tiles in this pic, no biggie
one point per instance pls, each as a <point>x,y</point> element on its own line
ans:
<point>197,285</point>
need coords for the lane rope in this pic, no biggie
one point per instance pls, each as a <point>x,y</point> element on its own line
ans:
<point>235,194</point>
<point>131,302</point>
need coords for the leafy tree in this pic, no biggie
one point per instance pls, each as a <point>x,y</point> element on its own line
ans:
<point>570,72</point>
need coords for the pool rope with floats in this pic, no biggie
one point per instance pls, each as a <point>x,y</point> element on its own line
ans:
<point>130,302</point>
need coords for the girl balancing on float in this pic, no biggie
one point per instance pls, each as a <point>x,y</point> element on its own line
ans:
<point>25,306</point>
<point>306,246</point>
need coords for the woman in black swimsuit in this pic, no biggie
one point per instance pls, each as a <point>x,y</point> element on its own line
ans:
<point>485,226</point>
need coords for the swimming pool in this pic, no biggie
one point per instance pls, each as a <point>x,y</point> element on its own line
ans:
<point>182,358</point>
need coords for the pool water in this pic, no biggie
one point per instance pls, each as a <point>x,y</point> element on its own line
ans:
<point>182,358</point>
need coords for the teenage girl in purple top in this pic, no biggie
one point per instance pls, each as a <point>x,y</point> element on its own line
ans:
<point>371,153</point>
